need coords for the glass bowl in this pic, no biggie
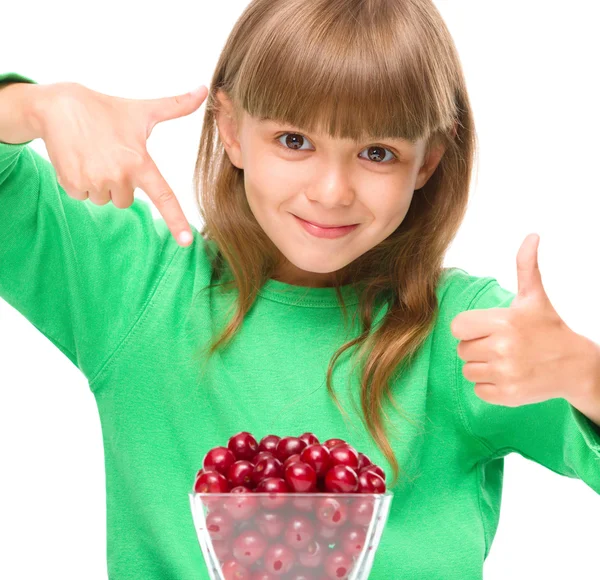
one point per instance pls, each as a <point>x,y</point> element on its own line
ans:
<point>289,536</point>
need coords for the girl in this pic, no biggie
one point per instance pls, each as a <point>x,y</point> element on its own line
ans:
<point>346,113</point>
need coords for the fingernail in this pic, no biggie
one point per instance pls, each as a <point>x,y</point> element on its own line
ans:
<point>197,90</point>
<point>185,237</point>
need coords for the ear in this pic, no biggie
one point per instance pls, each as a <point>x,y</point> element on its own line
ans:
<point>429,165</point>
<point>228,129</point>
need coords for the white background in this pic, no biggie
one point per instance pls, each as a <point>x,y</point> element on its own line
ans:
<point>531,70</point>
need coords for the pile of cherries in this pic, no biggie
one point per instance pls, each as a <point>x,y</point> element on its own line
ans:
<point>279,536</point>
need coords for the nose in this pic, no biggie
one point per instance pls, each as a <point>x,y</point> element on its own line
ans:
<point>333,187</point>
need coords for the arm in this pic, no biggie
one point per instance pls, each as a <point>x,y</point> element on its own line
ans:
<point>17,112</point>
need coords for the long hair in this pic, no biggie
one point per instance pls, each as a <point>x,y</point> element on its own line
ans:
<point>352,69</point>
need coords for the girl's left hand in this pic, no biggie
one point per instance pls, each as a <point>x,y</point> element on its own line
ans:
<point>525,353</point>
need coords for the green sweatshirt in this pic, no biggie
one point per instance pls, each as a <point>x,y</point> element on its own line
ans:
<point>115,293</point>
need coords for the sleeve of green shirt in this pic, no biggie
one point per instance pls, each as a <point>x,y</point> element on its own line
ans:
<point>81,273</point>
<point>552,433</point>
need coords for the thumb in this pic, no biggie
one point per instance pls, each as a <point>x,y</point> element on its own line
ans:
<point>166,108</point>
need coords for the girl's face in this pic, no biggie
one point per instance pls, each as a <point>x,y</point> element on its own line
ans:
<point>289,173</point>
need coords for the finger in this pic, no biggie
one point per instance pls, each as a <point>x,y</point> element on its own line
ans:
<point>154,184</point>
<point>122,195</point>
<point>101,197</point>
<point>166,108</point>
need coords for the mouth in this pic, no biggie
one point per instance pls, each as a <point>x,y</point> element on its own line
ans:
<point>326,226</point>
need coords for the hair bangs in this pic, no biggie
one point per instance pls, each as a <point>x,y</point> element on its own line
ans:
<point>337,76</point>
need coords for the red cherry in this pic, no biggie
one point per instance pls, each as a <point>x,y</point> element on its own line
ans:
<point>341,479</point>
<point>264,575</point>
<point>338,564</point>
<point>304,503</point>
<point>363,461</point>
<point>211,482</point>
<point>276,488</point>
<point>219,525</point>
<point>243,445</point>
<point>318,457</point>
<point>313,555</point>
<point>361,510</point>
<point>344,454</point>
<point>249,546</point>
<point>242,505</point>
<point>352,540</point>
<point>375,469</point>
<point>300,477</point>
<point>370,482</point>
<point>298,532</point>
<point>269,443</point>
<point>267,467</point>
<point>222,549</point>
<point>233,570</point>
<point>326,534</point>
<point>291,459</point>
<point>260,455</point>
<point>271,524</point>
<point>288,446</point>
<point>331,511</point>
<point>218,459</point>
<point>309,438</point>
<point>279,558</point>
<point>240,473</point>
<point>333,442</point>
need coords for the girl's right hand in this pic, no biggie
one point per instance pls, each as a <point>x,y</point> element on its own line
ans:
<point>97,145</point>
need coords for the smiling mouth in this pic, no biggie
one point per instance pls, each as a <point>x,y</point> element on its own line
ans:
<point>324,225</point>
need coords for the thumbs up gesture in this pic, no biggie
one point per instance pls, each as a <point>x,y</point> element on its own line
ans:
<point>526,353</point>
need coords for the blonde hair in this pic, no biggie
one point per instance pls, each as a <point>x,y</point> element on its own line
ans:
<point>353,69</point>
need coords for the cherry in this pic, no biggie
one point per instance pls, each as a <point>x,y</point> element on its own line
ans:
<point>298,532</point>
<point>277,488</point>
<point>243,445</point>
<point>300,574</point>
<point>271,524</point>
<point>211,482</point>
<point>309,438</point>
<point>269,443</point>
<point>344,454</point>
<point>267,467</point>
<point>314,553</point>
<point>243,505</point>
<point>300,477</point>
<point>219,525</point>
<point>370,482</point>
<point>375,469</point>
<point>304,503</point>
<point>363,461</point>
<point>318,457</point>
<point>260,455</point>
<point>341,479</point>
<point>218,459</point>
<point>291,459</point>
<point>279,558</point>
<point>331,511</point>
<point>326,533</point>
<point>288,446</point>
<point>352,540</point>
<point>333,442</point>
<point>338,564</point>
<point>361,510</point>
<point>240,473</point>
<point>222,548</point>
<point>264,575</point>
<point>249,546</point>
<point>233,570</point>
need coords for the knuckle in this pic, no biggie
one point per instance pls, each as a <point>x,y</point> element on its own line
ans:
<point>164,196</point>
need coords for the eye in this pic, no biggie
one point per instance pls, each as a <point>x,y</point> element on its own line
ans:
<point>376,152</point>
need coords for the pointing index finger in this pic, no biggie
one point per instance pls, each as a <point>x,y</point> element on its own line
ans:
<point>151,181</point>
